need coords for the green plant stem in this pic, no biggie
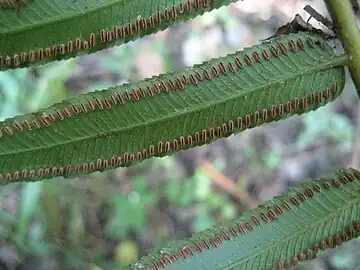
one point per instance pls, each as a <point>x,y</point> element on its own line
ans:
<point>348,31</point>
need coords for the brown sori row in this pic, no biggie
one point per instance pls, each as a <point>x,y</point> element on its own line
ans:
<point>12,3</point>
<point>264,217</point>
<point>177,144</point>
<point>331,242</point>
<point>104,35</point>
<point>162,87</point>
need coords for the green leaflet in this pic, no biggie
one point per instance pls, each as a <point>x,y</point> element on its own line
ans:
<point>309,218</point>
<point>31,36</point>
<point>176,111</point>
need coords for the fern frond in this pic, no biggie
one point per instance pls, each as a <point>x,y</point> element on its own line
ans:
<point>126,124</point>
<point>43,31</point>
<point>298,226</point>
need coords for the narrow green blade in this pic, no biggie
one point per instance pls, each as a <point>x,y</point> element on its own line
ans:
<point>308,219</point>
<point>46,30</point>
<point>126,124</point>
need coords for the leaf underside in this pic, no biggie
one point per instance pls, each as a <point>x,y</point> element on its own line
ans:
<point>31,36</point>
<point>126,124</point>
<point>298,226</point>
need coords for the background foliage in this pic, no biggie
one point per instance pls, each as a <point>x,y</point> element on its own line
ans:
<point>113,218</point>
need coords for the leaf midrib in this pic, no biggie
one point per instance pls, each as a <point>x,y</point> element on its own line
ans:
<point>332,63</point>
<point>346,204</point>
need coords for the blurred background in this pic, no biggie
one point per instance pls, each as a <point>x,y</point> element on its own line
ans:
<point>107,220</point>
